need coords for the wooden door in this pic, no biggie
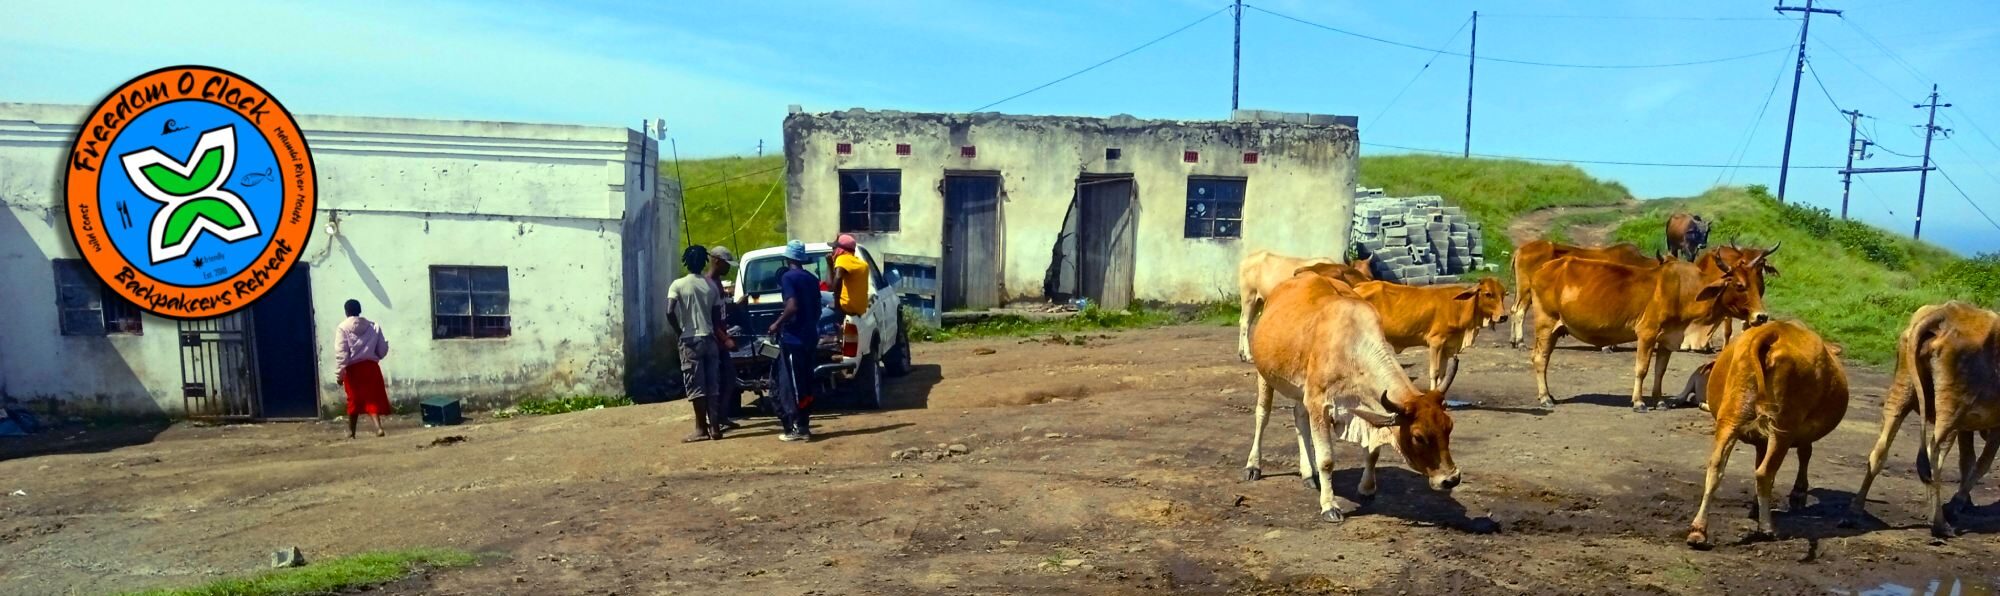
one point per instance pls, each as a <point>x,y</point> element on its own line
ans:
<point>971,242</point>
<point>1107,240</point>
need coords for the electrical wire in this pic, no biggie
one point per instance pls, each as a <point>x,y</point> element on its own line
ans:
<point>1743,149</point>
<point>684,191</point>
<point>1626,17</point>
<point>1893,56</point>
<point>1123,54</point>
<point>1604,162</point>
<point>1420,74</point>
<point>1878,198</point>
<point>1512,60</point>
<point>1968,199</point>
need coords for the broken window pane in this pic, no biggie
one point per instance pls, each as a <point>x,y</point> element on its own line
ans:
<point>871,201</point>
<point>1215,208</point>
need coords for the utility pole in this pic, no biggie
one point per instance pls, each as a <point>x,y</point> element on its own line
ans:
<point>1853,151</point>
<point>1930,130</point>
<point>1236,71</point>
<point>1785,164</point>
<point>1471,63</point>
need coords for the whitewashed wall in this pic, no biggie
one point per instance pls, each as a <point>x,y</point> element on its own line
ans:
<point>1299,198</point>
<point>547,201</point>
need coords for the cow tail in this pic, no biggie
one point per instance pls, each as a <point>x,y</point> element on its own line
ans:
<point>1914,352</point>
<point>1754,369</point>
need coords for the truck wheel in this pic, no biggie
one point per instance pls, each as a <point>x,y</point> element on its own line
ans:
<point>865,391</point>
<point>896,361</point>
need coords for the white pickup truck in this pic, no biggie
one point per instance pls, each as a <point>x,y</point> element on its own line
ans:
<point>855,352</point>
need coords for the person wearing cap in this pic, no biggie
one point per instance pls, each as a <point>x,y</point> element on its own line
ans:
<point>720,260</point>
<point>692,307</point>
<point>850,277</point>
<point>798,336</point>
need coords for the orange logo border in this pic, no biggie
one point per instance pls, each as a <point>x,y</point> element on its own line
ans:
<point>89,155</point>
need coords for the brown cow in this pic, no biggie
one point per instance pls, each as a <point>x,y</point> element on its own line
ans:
<point>1686,235</point>
<point>1331,358</point>
<point>1443,319</point>
<point>1948,371</point>
<point>1780,388</point>
<point>1603,304</point>
<point>1699,338</point>
<point>1263,270</point>
<point>1531,256</point>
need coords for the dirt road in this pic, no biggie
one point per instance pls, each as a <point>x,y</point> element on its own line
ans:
<point>1113,466</point>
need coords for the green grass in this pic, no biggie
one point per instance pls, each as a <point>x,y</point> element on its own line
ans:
<point>1492,191</point>
<point>1855,284</point>
<point>725,189</point>
<point>332,576</point>
<point>543,406</point>
<point>1093,319</point>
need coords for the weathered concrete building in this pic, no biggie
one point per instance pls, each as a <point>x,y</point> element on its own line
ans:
<point>1113,209</point>
<point>503,260</point>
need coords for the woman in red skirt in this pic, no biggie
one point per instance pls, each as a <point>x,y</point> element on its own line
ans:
<point>360,351</point>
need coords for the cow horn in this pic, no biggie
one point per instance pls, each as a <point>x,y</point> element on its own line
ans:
<point>1722,265</point>
<point>1759,261</point>
<point>1389,406</point>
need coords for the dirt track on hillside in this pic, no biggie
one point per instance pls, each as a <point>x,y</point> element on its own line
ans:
<point>1113,466</point>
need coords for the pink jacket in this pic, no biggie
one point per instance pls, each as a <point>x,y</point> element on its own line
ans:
<point>359,340</point>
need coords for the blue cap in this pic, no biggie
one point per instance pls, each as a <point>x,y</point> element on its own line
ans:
<point>796,251</point>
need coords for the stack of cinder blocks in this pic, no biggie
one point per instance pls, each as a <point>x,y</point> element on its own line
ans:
<point>1416,240</point>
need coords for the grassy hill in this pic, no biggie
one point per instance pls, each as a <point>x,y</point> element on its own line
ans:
<point>1854,283</point>
<point>748,191</point>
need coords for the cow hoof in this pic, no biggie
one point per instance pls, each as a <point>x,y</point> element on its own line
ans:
<point>1941,532</point>
<point>1332,515</point>
<point>1365,497</point>
<point>1759,536</point>
<point>1640,408</point>
<point>1795,503</point>
<point>1252,474</point>
<point>1956,509</point>
<point>1311,482</point>
<point>1547,401</point>
<point>1698,540</point>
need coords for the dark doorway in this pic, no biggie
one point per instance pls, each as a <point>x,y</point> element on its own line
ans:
<point>287,355</point>
<point>1106,232</point>
<point>971,241</point>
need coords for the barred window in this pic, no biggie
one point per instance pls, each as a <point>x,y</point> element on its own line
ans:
<point>1215,207</point>
<point>871,201</point>
<point>469,302</point>
<point>87,307</point>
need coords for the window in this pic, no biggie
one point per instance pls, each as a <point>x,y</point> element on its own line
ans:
<point>760,275</point>
<point>87,307</point>
<point>469,302</point>
<point>1215,208</point>
<point>871,201</point>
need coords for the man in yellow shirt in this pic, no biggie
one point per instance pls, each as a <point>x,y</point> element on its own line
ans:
<point>850,277</point>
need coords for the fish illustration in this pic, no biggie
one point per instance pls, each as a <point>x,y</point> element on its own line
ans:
<point>255,178</point>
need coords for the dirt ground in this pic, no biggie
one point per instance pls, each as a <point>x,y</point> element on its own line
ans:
<point>1107,465</point>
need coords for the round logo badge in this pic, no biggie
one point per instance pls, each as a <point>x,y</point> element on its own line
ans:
<point>190,191</point>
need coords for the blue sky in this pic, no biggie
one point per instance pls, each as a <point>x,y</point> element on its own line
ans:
<point>722,73</point>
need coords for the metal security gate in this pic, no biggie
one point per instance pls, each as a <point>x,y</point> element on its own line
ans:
<point>219,368</point>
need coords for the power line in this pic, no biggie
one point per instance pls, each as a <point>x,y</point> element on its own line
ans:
<point>1878,199</point>
<point>1743,149</point>
<point>1857,66</point>
<point>768,170</point>
<point>1630,17</point>
<point>1123,54</point>
<point>1602,162</point>
<point>1420,73</point>
<point>1968,198</point>
<point>1509,60</point>
<point>1893,56</point>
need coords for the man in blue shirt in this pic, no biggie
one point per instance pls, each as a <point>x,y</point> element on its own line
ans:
<point>798,338</point>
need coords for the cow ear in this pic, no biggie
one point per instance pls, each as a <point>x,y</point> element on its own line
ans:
<point>1468,294</point>
<point>1711,291</point>
<point>1771,270</point>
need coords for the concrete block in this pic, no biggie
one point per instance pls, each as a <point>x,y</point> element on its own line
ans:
<point>1396,240</point>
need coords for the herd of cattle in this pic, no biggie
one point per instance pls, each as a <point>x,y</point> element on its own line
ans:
<point>1325,334</point>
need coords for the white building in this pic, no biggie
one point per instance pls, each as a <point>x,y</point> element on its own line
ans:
<point>503,260</point>
<point>1112,209</point>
